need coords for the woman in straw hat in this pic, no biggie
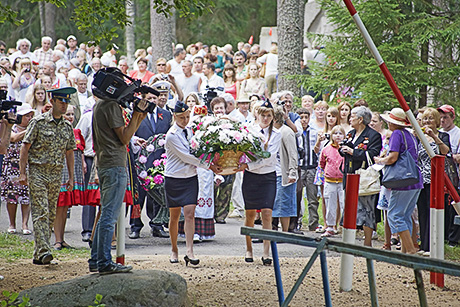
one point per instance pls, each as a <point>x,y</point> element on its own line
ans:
<point>402,200</point>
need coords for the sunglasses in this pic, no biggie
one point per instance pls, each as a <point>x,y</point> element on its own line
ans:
<point>2,49</point>
<point>161,64</point>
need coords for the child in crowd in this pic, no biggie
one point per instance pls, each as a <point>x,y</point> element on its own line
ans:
<point>330,161</point>
<point>76,196</point>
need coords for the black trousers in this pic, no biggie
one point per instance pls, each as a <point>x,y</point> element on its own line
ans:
<point>423,206</point>
<point>88,212</point>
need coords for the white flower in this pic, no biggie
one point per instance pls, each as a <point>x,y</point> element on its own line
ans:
<point>151,148</point>
<point>224,138</point>
<point>143,174</point>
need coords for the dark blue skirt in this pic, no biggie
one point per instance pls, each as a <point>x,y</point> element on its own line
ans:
<point>259,190</point>
<point>181,191</point>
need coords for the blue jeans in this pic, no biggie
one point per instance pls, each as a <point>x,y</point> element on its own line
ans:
<point>112,184</point>
<point>400,208</point>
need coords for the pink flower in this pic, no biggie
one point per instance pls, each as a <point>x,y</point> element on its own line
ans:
<point>193,144</point>
<point>142,159</point>
<point>143,174</point>
<point>161,142</point>
<point>237,136</point>
<point>156,163</point>
<point>163,156</point>
<point>150,148</point>
<point>158,179</point>
<point>147,181</point>
<point>227,126</point>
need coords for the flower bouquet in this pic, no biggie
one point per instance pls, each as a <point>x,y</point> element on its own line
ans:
<point>152,179</point>
<point>225,142</point>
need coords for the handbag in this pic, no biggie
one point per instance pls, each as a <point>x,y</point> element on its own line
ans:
<point>263,70</point>
<point>451,169</point>
<point>369,179</point>
<point>404,172</point>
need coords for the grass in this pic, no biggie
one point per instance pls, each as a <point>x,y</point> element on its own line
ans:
<point>14,247</point>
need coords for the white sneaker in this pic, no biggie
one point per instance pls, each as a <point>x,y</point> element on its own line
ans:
<point>196,238</point>
<point>236,214</point>
<point>320,229</point>
<point>375,236</point>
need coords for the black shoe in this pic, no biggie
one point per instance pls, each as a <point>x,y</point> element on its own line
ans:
<point>93,268</point>
<point>115,268</point>
<point>266,261</point>
<point>86,237</point>
<point>257,241</point>
<point>192,261</point>
<point>134,235</point>
<point>258,222</point>
<point>249,259</point>
<point>159,233</point>
<point>221,222</point>
<point>173,260</point>
<point>44,259</point>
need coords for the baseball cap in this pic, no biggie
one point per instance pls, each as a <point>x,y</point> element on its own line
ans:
<point>445,108</point>
<point>71,37</point>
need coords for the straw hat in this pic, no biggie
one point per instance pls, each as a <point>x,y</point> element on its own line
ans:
<point>397,117</point>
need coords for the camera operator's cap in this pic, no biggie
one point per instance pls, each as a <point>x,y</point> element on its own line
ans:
<point>397,117</point>
<point>71,37</point>
<point>162,86</point>
<point>445,108</point>
<point>24,109</point>
<point>180,107</point>
<point>62,93</point>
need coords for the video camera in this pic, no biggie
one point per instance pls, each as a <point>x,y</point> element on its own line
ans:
<point>8,109</point>
<point>111,83</point>
<point>211,93</point>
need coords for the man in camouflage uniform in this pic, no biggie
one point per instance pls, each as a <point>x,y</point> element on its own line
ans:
<point>49,137</point>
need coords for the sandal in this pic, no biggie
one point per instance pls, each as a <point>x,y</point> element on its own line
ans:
<point>12,231</point>
<point>66,245</point>
<point>26,232</point>
<point>387,246</point>
<point>58,246</point>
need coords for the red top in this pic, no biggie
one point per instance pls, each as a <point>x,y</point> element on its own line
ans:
<point>145,78</point>
<point>231,90</point>
<point>79,139</point>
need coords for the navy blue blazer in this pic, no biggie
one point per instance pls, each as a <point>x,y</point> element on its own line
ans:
<point>163,123</point>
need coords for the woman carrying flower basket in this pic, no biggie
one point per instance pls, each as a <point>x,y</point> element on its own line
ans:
<point>181,182</point>
<point>259,180</point>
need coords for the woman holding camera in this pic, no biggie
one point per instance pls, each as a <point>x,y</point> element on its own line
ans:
<point>24,79</point>
<point>361,140</point>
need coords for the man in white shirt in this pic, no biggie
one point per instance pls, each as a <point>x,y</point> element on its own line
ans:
<point>23,45</point>
<point>447,112</point>
<point>188,82</point>
<point>44,53</point>
<point>72,49</point>
<point>111,56</point>
<point>176,63</point>
<point>82,99</point>
<point>211,80</point>
<point>198,66</point>
<point>243,114</point>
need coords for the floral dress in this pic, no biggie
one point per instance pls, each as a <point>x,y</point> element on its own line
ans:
<point>12,191</point>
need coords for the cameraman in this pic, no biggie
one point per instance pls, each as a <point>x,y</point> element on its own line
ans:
<point>5,126</point>
<point>110,137</point>
<point>210,79</point>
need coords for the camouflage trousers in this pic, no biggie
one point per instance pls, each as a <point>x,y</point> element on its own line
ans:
<point>222,196</point>
<point>44,187</point>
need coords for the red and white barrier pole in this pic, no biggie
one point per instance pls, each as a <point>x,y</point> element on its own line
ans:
<point>437,216</point>
<point>373,49</point>
<point>349,230</point>
<point>121,236</point>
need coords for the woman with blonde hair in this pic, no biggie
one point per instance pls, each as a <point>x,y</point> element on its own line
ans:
<point>253,84</point>
<point>259,180</point>
<point>39,98</point>
<point>25,78</point>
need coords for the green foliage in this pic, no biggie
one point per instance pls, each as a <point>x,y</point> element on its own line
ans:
<point>399,30</point>
<point>10,300</point>
<point>13,247</point>
<point>98,301</point>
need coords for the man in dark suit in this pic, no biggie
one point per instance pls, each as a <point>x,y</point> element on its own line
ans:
<point>157,122</point>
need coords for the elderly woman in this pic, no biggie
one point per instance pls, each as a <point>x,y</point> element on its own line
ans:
<point>402,200</point>
<point>359,140</point>
<point>285,205</point>
<point>440,142</point>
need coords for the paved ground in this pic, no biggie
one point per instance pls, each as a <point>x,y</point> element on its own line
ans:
<point>228,241</point>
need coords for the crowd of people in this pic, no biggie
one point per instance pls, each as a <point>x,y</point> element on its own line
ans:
<point>313,147</point>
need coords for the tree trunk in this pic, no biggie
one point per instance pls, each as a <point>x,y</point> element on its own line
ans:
<point>50,20</point>
<point>290,22</point>
<point>162,31</point>
<point>424,89</point>
<point>129,32</point>
<point>41,9</point>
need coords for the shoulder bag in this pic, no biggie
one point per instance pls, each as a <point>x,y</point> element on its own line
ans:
<point>404,172</point>
<point>369,178</point>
